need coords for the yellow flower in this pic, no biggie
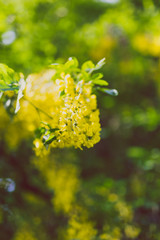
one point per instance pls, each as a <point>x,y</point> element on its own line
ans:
<point>74,112</point>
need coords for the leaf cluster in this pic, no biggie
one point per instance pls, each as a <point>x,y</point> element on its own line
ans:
<point>46,133</point>
<point>86,73</point>
<point>11,81</point>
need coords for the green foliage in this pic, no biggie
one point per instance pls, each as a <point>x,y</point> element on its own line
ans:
<point>8,78</point>
<point>46,133</point>
<point>112,189</point>
<point>85,72</point>
<point>11,81</point>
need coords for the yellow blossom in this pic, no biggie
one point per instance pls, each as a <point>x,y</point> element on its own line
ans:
<point>74,112</point>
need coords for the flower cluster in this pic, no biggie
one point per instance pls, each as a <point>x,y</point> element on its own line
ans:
<point>68,107</point>
<point>58,104</point>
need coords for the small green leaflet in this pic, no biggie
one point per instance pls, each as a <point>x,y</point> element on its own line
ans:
<point>97,76</point>
<point>99,82</point>
<point>71,66</point>
<point>100,64</point>
<point>47,139</point>
<point>72,62</point>
<point>89,66</point>
<point>51,130</point>
<point>62,93</point>
<point>112,92</point>
<point>40,131</point>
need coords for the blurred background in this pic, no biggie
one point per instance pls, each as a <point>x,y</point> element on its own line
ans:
<point>109,192</point>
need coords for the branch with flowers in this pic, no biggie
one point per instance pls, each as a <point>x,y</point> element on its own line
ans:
<point>59,104</point>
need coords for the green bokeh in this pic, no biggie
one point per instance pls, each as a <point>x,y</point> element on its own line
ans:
<point>119,177</point>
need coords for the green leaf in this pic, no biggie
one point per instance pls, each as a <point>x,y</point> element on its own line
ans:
<point>83,75</point>
<point>112,92</point>
<point>8,78</point>
<point>53,130</point>
<point>72,62</point>
<point>8,89</point>
<point>88,66</point>
<point>40,131</point>
<point>100,64</point>
<point>47,139</point>
<point>99,82</point>
<point>11,81</point>
<point>62,93</point>
<point>97,76</point>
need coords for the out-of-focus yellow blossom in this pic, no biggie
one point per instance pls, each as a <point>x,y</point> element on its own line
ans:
<point>32,229</point>
<point>112,197</point>
<point>66,105</point>
<point>131,231</point>
<point>12,127</point>
<point>125,212</point>
<point>62,180</point>
<point>80,228</point>
<point>24,234</point>
<point>39,148</point>
<point>147,44</point>
<point>111,234</point>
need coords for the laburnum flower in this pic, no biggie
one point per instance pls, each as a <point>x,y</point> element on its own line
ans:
<point>67,106</point>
